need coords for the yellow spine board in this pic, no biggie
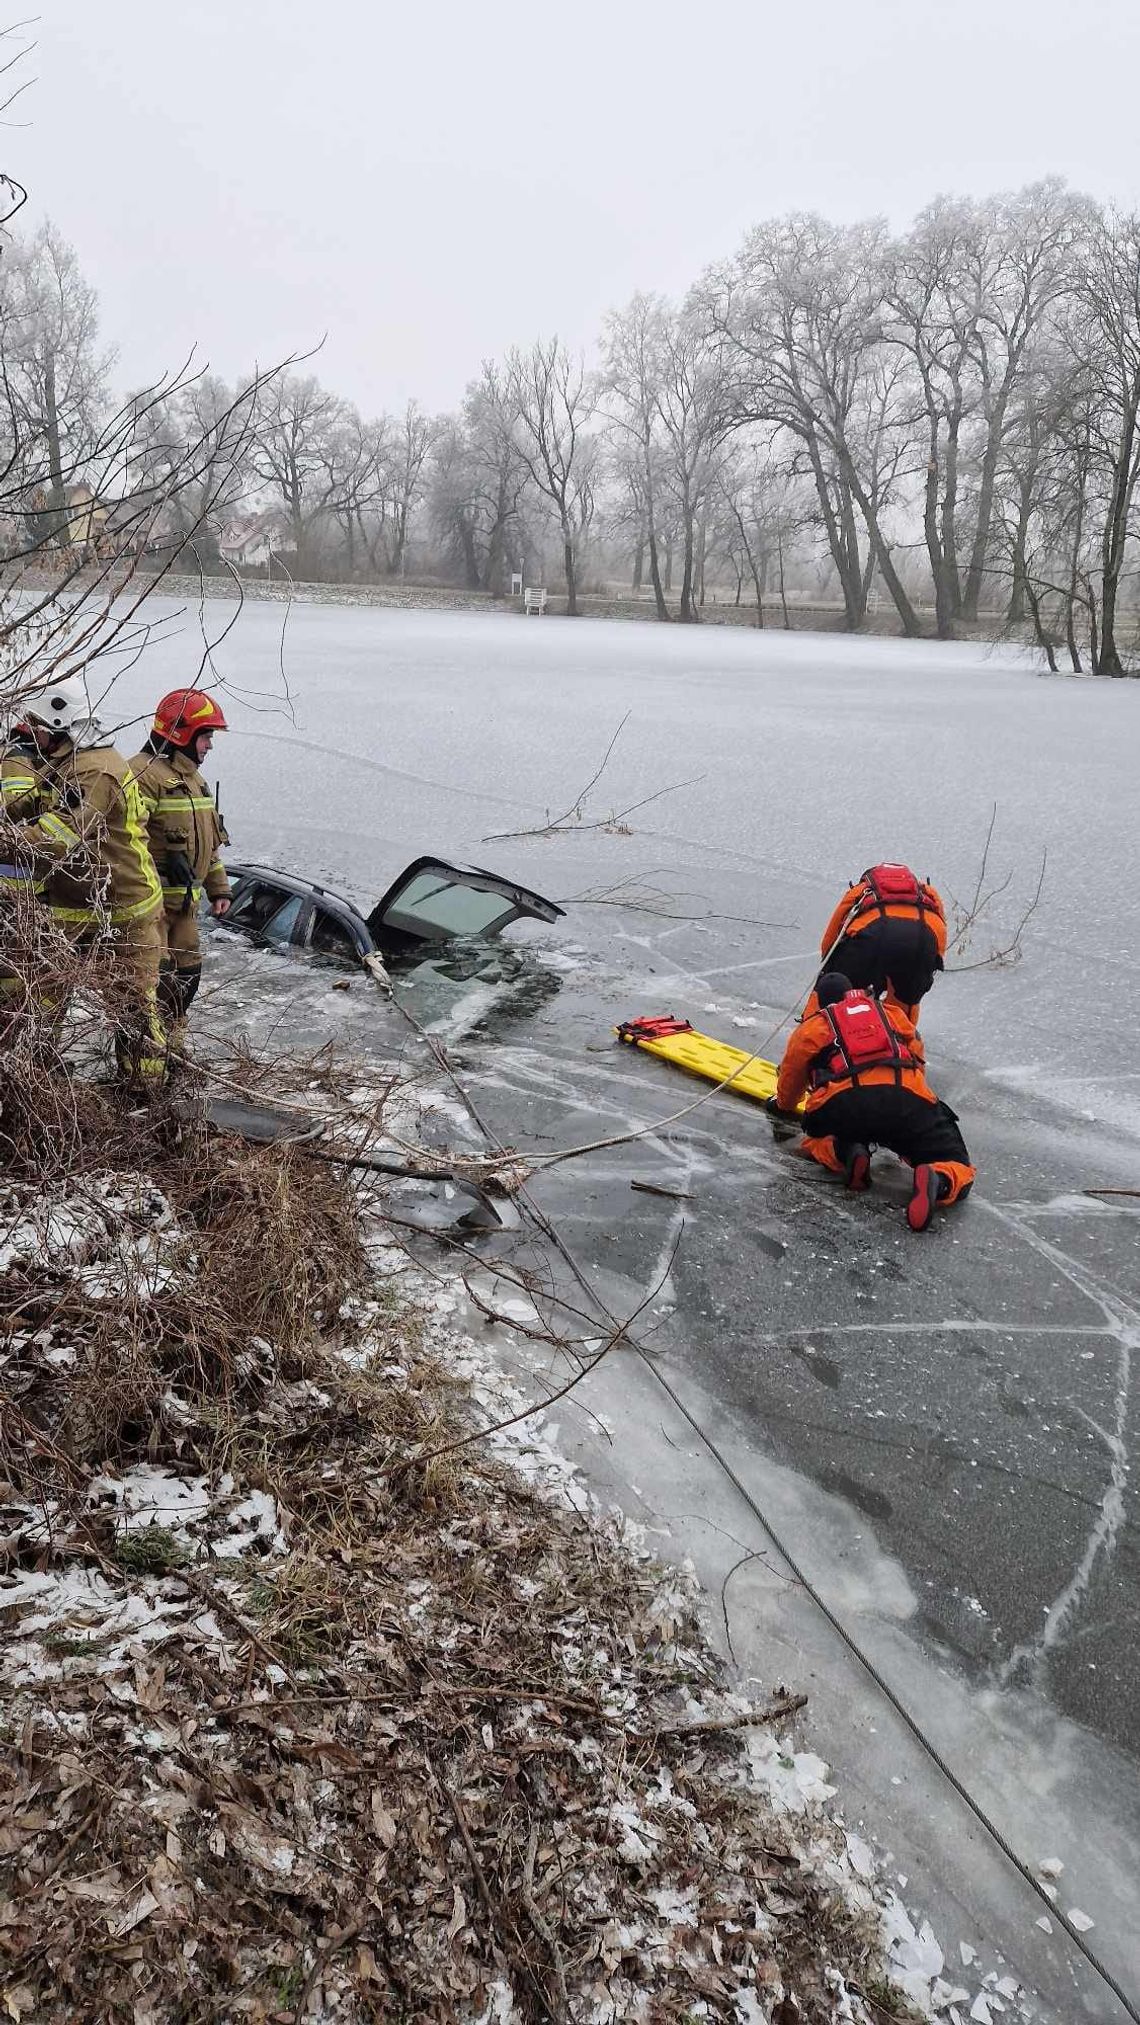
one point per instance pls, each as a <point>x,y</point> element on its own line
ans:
<point>713,1060</point>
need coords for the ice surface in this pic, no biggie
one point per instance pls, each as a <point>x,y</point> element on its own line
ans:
<point>966,1404</point>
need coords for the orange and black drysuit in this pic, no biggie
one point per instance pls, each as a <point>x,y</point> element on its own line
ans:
<point>888,934</point>
<point>860,1065</point>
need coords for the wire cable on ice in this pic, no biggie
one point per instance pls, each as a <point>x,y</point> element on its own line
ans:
<point>910,1721</point>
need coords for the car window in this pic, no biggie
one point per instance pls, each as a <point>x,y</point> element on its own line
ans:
<point>279,928</point>
<point>432,905</point>
<point>330,937</point>
<point>254,906</point>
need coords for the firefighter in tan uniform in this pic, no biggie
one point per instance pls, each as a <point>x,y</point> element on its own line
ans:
<point>186,834</point>
<point>87,839</point>
<point>21,765</point>
<point>20,768</point>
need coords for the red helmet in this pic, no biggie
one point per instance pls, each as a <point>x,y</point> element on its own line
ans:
<point>184,713</point>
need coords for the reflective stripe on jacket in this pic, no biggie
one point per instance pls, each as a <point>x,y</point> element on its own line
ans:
<point>815,1037</point>
<point>19,791</point>
<point>181,819</point>
<point>90,841</point>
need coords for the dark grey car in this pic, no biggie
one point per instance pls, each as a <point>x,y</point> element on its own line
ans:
<point>430,903</point>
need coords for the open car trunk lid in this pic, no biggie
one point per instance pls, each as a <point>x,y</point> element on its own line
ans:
<point>433,901</point>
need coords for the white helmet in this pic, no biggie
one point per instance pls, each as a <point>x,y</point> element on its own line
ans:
<point>64,707</point>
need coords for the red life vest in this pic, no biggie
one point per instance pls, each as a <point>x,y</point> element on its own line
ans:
<point>894,886</point>
<point>864,1039</point>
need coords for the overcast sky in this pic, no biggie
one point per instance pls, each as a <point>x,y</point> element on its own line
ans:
<point>430,182</point>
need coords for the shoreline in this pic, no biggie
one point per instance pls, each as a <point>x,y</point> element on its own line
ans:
<point>806,617</point>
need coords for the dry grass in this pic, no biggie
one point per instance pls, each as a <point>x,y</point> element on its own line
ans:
<point>426,1756</point>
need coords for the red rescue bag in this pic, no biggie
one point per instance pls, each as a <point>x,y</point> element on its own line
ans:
<point>895,886</point>
<point>864,1040</point>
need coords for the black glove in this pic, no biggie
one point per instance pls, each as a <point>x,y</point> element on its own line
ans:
<point>69,796</point>
<point>785,1124</point>
<point>180,872</point>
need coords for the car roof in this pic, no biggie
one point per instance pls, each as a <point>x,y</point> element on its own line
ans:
<point>308,889</point>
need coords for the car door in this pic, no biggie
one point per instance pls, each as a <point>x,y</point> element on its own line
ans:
<point>330,939</point>
<point>433,901</point>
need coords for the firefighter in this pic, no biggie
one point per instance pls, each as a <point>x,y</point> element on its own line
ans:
<point>862,1066</point>
<point>186,834</point>
<point>87,838</point>
<point>888,934</point>
<point>20,768</point>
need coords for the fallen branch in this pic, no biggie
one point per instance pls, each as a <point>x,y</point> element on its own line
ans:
<point>966,919</point>
<point>574,818</point>
<point>785,1705</point>
<point>540,1406</point>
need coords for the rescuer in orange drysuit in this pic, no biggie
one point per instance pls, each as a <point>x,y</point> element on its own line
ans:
<point>888,934</point>
<point>860,1063</point>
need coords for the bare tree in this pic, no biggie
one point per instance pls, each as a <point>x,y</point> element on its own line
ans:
<point>799,322</point>
<point>932,313</point>
<point>500,474</point>
<point>355,457</point>
<point>1023,265</point>
<point>759,512</point>
<point>554,401</point>
<point>204,410</point>
<point>452,500</point>
<point>1104,336</point>
<point>633,363</point>
<point>289,454</point>
<point>412,439</point>
<point>55,375</point>
<point>477,482</point>
<point>696,416</point>
<point>94,612</point>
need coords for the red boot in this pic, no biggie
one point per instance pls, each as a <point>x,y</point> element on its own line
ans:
<point>929,1188</point>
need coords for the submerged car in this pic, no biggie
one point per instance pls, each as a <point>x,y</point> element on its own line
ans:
<point>430,903</point>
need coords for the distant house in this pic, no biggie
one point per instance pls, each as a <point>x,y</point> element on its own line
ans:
<point>248,543</point>
<point>76,523</point>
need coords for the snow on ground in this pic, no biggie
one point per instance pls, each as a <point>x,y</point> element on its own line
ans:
<point>794,1781</point>
<point>112,1234</point>
<point>803,759</point>
<point>61,1612</point>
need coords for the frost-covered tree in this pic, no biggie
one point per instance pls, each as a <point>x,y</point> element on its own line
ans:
<point>477,483</point>
<point>798,320</point>
<point>631,386</point>
<point>554,400</point>
<point>295,419</point>
<point>55,371</point>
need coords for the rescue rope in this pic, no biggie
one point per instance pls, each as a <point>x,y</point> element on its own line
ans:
<point>545,1160</point>
<point>910,1722</point>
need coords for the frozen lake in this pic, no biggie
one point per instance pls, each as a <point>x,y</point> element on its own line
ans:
<point>807,757</point>
<point>964,1403</point>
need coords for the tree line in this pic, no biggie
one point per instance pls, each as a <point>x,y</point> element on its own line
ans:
<point>943,421</point>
